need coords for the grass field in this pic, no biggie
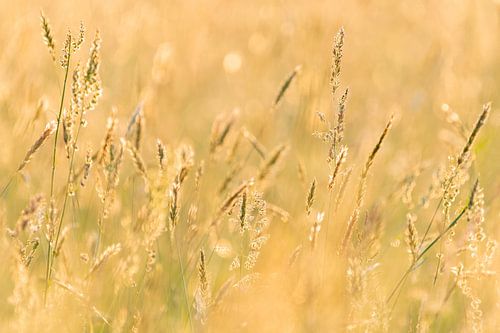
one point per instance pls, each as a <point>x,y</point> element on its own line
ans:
<point>249,166</point>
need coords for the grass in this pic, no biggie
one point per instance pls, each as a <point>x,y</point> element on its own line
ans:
<point>192,177</point>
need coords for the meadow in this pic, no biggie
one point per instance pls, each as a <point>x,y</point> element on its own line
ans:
<point>260,166</point>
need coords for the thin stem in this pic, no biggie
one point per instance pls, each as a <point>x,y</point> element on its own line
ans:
<point>54,153</point>
<point>241,253</point>
<point>325,250</point>
<point>428,247</point>
<point>99,240</point>
<point>59,121</point>
<point>430,224</point>
<point>184,284</point>
<point>6,187</point>
<point>68,180</point>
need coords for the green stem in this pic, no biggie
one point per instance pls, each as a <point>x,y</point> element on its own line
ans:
<point>54,153</point>
<point>184,284</point>
<point>61,104</point>
<point>427,248</point>
<point>66,193</point>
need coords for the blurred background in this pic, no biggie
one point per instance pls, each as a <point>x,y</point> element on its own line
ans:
<point>189,61</point>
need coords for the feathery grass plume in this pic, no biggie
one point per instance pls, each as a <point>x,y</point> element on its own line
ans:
<point>256,211</point>
<point>52,213</point>
<point>337,57</point>
<point>477,240</point>
<point>111,124</point>
<point>454,178</point>
<point>479,123</point>
<point>473,314</point>
<point>255,247</point>
<point>108,252</point>
<point>81,38</point>
<point>134,119</point>
<point>261,150</point>
<point>339,128</point>
<point>456,174</point>
<point>137,159</point>
<point>65,63</point>
<point>341,157</point>
<point>68,135</point>
<point>202,296</point>
<point>243,212</point>
<point>185,160</point>
<point>48,38</point>
<point>286,84</point>
<point>429,246</point>
<point>70,115</point>
<point>108,171</point>
<point>412,239</point>
<point>113,165</point>
<point>371,158</point>
<point>66,51</point>
<point>476,265</point>
<point>28,251</point>
<point>161,154</point>
<point>92,67</point>
<point>310,197</point>
<point>230,200</point>
<point>327,136</point>
<point>91,79</point>
<point>220,129</point>
<point>369,236</point>
<point>271,161</point>
<point>32,216</point>
<point>353,219</point>
<point>48,131</point>
<point>333,136</point>
<point>86,167</point>
<point>135,126</point>
<point>138,132</point>
<point>174,207</point>
<point>247,282</point>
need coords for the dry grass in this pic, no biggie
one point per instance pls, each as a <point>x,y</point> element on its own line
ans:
<point>254,167</point>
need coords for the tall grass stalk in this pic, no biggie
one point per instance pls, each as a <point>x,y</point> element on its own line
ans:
<point>53,172</point>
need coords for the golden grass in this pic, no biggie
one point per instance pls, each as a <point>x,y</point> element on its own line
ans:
<point>200,180</point>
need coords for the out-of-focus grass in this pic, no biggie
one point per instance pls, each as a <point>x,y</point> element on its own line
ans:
<point>189,61</point>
